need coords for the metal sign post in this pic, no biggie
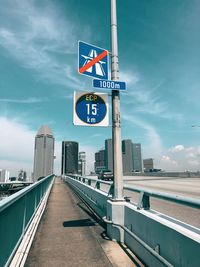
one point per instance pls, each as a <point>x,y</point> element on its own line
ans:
<point>116,129</point>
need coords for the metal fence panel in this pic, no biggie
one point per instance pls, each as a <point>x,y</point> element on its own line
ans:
<point>16,212</point>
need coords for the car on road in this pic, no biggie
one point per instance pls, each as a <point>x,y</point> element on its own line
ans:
<point>106,175</point>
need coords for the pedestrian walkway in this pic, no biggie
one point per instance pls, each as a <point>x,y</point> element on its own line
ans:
<point>69,236</point>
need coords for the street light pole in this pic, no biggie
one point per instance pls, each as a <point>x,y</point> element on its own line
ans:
<point>116,128</point>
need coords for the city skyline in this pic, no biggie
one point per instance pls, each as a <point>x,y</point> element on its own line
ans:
<point>158,58</point>
<point>131,157</point>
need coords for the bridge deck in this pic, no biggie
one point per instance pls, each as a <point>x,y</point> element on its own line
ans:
<point>69,236</point>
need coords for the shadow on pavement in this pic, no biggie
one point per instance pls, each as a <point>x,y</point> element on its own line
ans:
<point>79,223</point>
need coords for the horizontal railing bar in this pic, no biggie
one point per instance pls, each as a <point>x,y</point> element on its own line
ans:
<point>91,179</point>
<point>4,203</point>
<point>77,176</point>
<point>104,182</point>
<point>187,201</point>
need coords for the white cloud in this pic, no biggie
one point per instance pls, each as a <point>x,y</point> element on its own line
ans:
<point>130,78</point>
<point>30,100</point>
<point>149,101</point>
<point>37,36</point>
<point>16,146</point>
<point>154,140</point>
<point>167,159</point>
<point>180,158</point>
<point>177,148</point>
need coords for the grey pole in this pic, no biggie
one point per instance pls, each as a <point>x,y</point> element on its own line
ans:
<point>116,129</point>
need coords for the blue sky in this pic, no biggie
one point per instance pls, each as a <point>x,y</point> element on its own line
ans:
<point>159,58</point>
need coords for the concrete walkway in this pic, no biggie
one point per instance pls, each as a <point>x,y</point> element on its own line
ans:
<point>69,236</point>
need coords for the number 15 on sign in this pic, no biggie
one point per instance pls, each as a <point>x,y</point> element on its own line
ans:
<point>90,109</point>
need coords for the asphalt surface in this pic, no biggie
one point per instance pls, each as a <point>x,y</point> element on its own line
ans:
<point>68,235</point>
<point>189,187</point>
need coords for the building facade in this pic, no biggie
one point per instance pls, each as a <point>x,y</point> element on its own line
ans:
<point>4,175</point>
<point>22,176</point>
<point>69,158</point>
<point>127,156</point>
<point>148,165</point>
<point>43,153</point>
<point>137,158</point>
<point>99,161</point>
<point>108,155</point>
<point>82,163</point>
<point>131,157</point>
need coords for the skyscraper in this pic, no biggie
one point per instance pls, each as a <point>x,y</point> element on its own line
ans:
<point>137,158</point>
<point>43,153</point>
<point>99,161</point>
<point>108,154</point>
<point>127,156</point>
<point>131,157</point>
<point>4,175</point>
<point>82,163</point>
<point>69,162</point>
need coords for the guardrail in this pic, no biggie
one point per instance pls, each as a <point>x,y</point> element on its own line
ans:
<point>145,194</point>
<point>158,240</point>
<point>16,213</point>
<point>92,192</point>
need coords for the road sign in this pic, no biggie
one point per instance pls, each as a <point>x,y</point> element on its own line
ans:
<point>90,109</point>
<point>105,84</point>
<point>93,61</point>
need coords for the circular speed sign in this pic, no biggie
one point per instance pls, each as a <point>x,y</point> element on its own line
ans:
<point>91,108</point>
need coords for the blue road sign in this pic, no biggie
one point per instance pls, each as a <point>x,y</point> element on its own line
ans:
<point>91,109</point>
<point>92,61</point>
<point>105,84</point>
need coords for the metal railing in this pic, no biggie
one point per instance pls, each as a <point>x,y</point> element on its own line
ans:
<point>16,213</point>
<point>145,194</point>
<point>155,239</point>
<point>92,192</point>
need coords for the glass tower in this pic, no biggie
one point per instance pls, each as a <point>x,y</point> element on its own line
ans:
<point>69,163</point>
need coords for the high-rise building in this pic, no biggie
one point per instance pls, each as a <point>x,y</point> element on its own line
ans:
<point>22,175</point>
<point>148,164</point>
<point>108,155</point>
<point>69,162</point>
<point>43,153</point>
<point>131,157</point>
<point>82,163</point>
<point>99,161</point>
<point>127,156</point>
<point>4,175</point>
<point>137,158</point>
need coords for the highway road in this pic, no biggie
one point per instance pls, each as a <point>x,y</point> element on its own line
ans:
<point>189,187</point>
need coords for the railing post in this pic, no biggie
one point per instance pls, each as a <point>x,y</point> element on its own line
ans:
<point>97,185</point>
<point>143,202</point>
